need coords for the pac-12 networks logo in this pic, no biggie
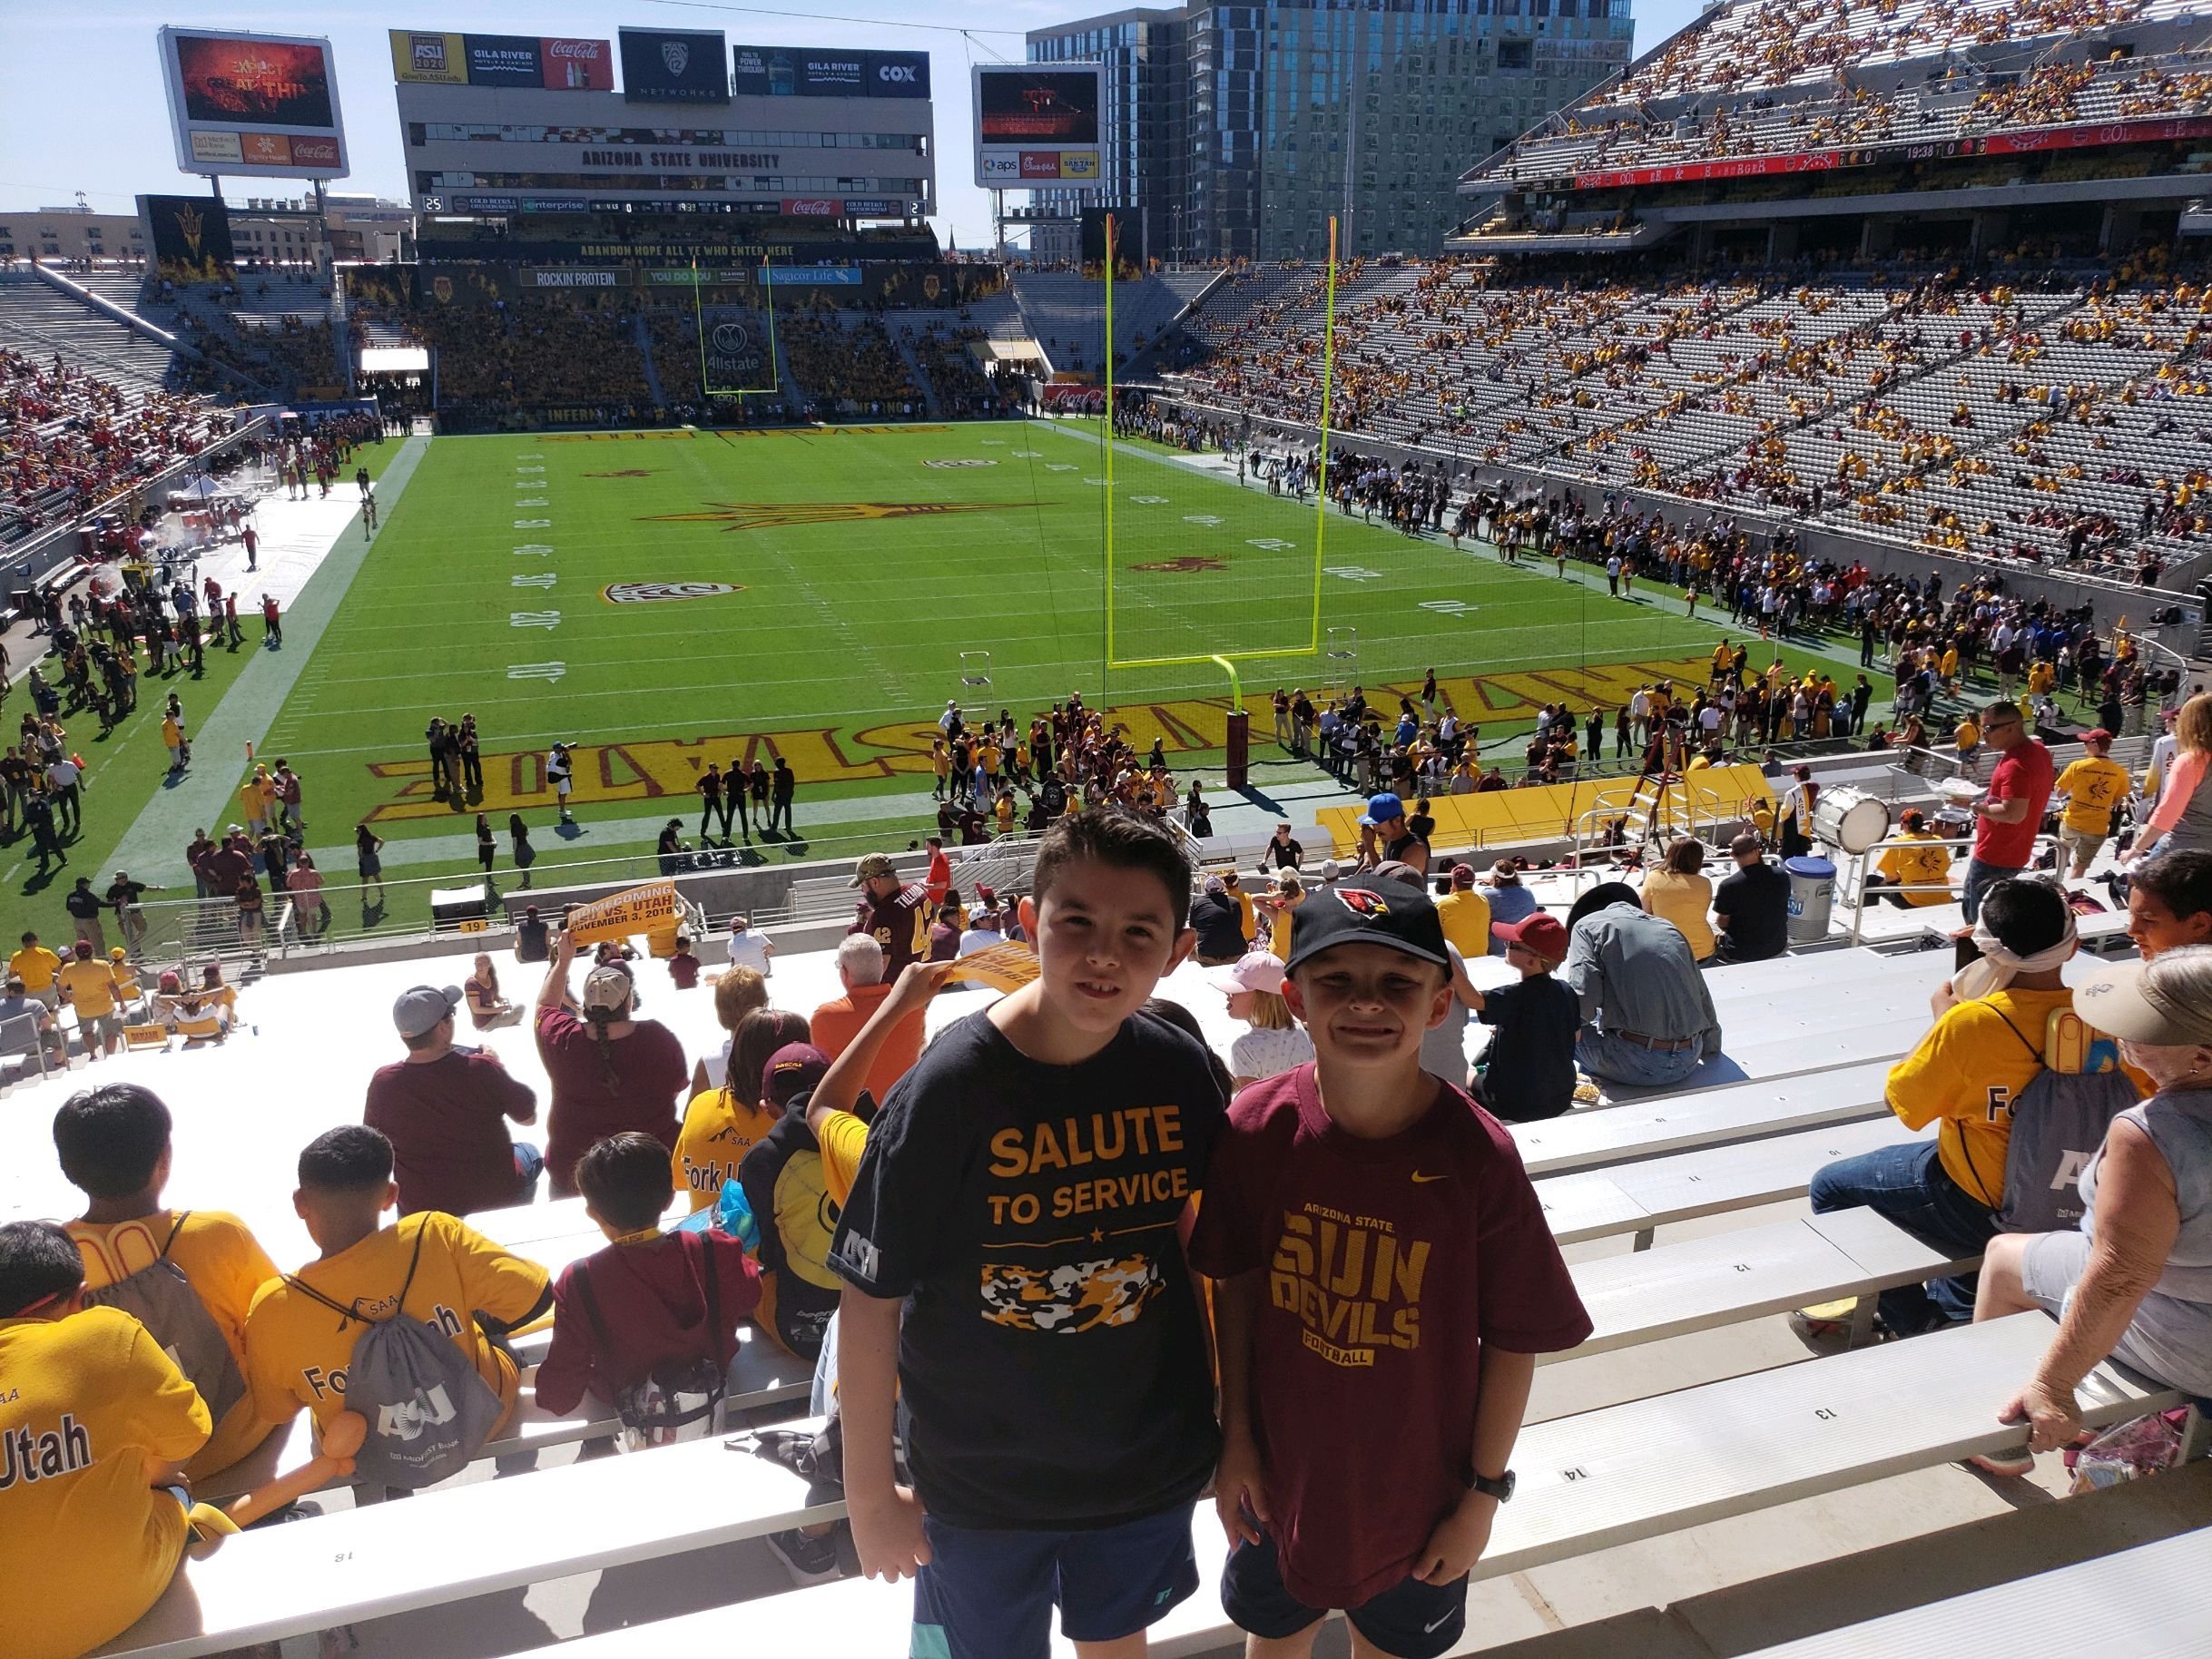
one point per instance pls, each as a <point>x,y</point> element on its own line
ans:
<point>655,592</point>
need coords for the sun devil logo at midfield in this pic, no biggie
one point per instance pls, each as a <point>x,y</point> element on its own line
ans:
<point>770,515</point>
<point>1361,902</point>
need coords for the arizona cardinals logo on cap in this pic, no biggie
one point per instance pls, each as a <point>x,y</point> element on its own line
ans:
<point>1360,901</point>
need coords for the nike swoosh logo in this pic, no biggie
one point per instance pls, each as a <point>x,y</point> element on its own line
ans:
<point>1426,1629</point>
<point>1417,1179</point>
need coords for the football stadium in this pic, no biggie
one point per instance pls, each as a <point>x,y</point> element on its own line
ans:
<point>1583,633</point>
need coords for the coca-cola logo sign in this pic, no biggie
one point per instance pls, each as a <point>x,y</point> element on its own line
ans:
<point>813,207</point>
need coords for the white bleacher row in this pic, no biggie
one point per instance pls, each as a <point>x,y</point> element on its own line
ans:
<point>226,1600</point>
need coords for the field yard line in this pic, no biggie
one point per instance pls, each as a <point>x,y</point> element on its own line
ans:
<point>154,843</point>
<point>862,651</point>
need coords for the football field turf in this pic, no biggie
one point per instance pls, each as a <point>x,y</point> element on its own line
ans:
<point>668,598</point>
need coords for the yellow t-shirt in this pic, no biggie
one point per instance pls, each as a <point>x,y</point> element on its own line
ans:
<point>719,1130</point>
<point>89,987</point>
<point>102,1406</point>
<point>1279,931</point>
<point>1683,901</point>
<point>297,1350</point>
<point>1968,734</point>
<point>224,1263</point>
<point>842,1138</point>
<point>1244,911</point>
<point>2092,787</point>
<point>1967,1072</point>
<point>1916,865</point>
<point>35,965</point>
<point>1466,917</point>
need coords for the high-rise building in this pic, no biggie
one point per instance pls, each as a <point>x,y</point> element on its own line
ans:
<point>1239,129</point>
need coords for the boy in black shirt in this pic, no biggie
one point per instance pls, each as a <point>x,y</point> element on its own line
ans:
<point>1020,1195</point>
<point>1529,1071</point>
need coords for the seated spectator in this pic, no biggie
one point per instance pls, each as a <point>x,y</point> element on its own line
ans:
<point>445,1109</point>
<point>1921,868</point>
<point>609,1070</point>
<point>749,948</point>
<point>1219,921</point>
<point>300,1332</point>
<point>683,966</point>
<point>1648,1018</point>
<point>987,927</point>
<point>783,1180</point>
<point>1465,913</point>
<point>654,1306</point>
<point>531,936</point>
<point>1753,906</point>
<point>860,967</point>
<point>1276,908</point>
<point>1510,899</point>
<point>722,1123</point>
<point>487,1010</point>
<point>1529,1071</point>
<point>1984,1049</point>
<point>1678,892</point>
<point>113,1422</point>
<point>1275,1042</point>
<point>2136,1282</point>
<point>737,993</point>
<point>2169,902</point>
<point>25,1025</point>
<point>114,1144</point>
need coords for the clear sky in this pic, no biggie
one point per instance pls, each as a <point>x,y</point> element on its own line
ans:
<point>82,108</point>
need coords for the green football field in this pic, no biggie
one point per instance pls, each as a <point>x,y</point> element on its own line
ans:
<point>668,598</point>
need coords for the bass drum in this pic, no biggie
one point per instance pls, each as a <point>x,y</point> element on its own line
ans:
<point>1850,820</point>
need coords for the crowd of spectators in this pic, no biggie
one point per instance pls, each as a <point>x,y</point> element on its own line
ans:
<point>73,440</point>
<point>849,366</point>
<point>504,365</point>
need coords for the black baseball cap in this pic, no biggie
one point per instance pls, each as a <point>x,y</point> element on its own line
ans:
<point>1396,915</point>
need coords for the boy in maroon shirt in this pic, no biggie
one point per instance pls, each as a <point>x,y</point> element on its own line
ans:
<point>1385,1281</point>
<point>641,1305</point>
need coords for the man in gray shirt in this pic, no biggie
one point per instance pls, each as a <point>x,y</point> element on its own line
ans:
<point>1647,1017</point>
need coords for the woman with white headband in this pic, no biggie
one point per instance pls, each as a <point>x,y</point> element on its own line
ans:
<point>2136,1282</point>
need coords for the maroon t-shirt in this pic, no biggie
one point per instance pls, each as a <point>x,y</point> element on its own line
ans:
<point>649,1070</point>
<point>447,1122</point>
<point>1388,1264</point>
<point>2023,774</point>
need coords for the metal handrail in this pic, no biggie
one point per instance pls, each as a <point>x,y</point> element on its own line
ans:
<point>1857,901</point>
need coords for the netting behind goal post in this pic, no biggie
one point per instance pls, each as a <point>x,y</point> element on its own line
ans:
<point>1208,554</point>
<point>725,351</point>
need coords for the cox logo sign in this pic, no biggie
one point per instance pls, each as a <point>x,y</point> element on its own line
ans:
<point>898,74</point>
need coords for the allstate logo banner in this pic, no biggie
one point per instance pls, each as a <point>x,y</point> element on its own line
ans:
<point>655,592</point>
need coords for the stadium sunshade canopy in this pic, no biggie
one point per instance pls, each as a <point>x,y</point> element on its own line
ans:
<point>395,360</point>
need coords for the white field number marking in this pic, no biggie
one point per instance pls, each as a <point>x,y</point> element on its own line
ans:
<point>1448,607</point>
<point>1271,544</point>
<point>536,671</point>
<point>1352,572</point>
<point>534,619</point>
<point>1205,519</point>
<point>544,581</point>
<point>534,524</point>
<point>1149,501</point>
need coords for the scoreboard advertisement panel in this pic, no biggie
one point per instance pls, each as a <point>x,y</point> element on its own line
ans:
<point>1038,124</point>
<point>256,106</point>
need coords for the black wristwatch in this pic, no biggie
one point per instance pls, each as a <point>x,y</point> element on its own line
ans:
<point>1501,1488</point>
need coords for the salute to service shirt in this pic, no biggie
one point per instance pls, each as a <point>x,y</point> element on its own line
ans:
<point>1390,1263</point>
<point>226,1267</point>
<point>89,1405</point>
<point>1051,1357</point>
<point>297,1350</point>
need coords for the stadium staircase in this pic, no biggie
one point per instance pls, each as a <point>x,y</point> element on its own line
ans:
<point>643,339</point>
<point>895,329</point>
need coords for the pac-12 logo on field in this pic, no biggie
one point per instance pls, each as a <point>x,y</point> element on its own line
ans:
<point>960,463</point>
<point>655,593</point>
